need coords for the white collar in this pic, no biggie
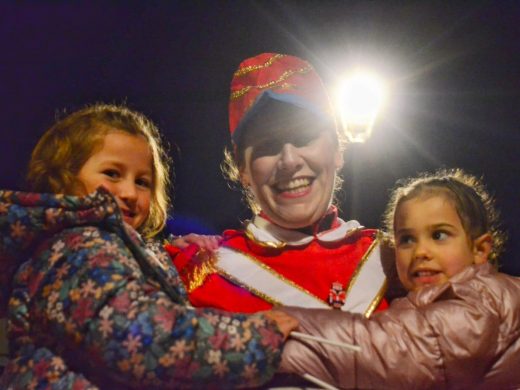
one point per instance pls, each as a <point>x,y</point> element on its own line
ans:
<point>267,233</point>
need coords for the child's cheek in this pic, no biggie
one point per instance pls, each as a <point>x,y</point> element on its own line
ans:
<point>402,265</point>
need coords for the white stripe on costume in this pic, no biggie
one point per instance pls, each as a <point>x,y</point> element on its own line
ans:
<point>262,280</point>
<point>367,284</point>
<point>363,294</point>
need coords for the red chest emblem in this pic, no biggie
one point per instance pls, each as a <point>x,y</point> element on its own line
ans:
<point>337,295</point>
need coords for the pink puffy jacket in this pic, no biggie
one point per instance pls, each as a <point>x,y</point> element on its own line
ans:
<point>463,334</point>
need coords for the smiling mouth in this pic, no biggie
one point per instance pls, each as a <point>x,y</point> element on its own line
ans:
<point>425,273</point>
<point>295,186</point>
<point>128,214</point>
<point>426,276</point>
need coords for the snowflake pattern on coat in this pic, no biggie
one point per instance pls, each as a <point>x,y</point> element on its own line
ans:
<point>91,306</point>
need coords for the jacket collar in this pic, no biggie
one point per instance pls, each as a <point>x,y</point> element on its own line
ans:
<point>455,286</point>
<point>26,219</point>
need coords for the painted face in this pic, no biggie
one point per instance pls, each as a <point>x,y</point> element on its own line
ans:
<point>291,169</point>
<point>124,167</point>
<point>431,243</point>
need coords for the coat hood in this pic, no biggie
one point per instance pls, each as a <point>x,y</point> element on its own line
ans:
<point>28,218</point>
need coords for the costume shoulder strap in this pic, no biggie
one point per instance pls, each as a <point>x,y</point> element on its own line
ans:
<point>368,284</point>
<point>248,272</point>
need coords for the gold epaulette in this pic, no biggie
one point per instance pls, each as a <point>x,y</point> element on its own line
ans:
<point>198,269</point>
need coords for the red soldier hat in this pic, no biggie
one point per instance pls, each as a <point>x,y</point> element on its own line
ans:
<point>279,77</point>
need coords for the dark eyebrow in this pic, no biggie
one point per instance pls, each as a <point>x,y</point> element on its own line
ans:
<point>441,225</point>
<point>432,227</point>
<point>402,231</point>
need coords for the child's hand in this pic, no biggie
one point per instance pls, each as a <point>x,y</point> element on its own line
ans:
<point>285,322</point>
<point>210,243</point>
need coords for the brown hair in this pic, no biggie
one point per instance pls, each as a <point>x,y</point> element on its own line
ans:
<point>273,113</point>
<point>68,144</point>
<point>473,203</point>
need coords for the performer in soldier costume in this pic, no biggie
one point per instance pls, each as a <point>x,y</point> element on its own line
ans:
<point>286,154</point>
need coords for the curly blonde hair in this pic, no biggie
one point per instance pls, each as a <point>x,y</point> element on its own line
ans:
<point>474,205</point>
<point>68,144</point>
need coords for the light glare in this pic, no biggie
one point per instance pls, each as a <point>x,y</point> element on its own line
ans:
<point>359,99</point>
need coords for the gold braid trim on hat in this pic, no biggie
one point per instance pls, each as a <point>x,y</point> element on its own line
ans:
<point>285,75</point>
<point>251,68</point>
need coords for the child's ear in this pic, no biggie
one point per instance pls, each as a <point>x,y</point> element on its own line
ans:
<point>482,247</point>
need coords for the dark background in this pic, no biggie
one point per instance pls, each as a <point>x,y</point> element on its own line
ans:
<point>453,68</point>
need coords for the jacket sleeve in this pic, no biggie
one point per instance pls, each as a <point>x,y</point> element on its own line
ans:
<point>91,304</point>
<point>449,343</point>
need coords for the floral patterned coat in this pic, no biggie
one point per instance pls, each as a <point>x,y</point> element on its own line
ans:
<point>91,306</point>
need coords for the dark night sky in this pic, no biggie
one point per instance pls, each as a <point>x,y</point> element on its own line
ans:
<point>453,67</point>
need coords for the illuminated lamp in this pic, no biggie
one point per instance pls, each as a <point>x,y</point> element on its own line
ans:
<point>358,101</point>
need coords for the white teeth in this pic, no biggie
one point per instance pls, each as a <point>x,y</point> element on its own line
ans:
<point>425,273</point>
<point>294,184</point>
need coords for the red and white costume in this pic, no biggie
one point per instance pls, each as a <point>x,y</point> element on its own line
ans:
<point>266,265</point>
<point>331,264</point>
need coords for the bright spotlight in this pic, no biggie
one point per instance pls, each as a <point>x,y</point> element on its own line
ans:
<point>359,98</point>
